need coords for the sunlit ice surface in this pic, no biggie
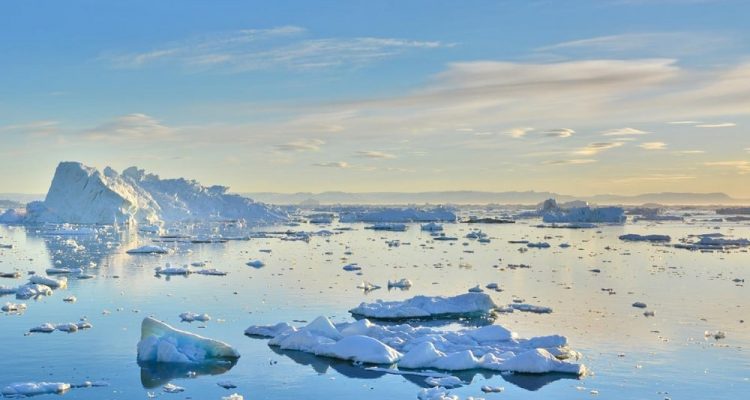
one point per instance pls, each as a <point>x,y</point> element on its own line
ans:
<point>632,355</point>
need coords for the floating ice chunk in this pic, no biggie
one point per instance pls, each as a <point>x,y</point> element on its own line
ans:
<point>367,286</point>
<point>359,348</point>
<point>30,290</point>
<point>227,384</point>
<point>255,263</point>
<point>34,388</point>
<point>386,226</point>
<point>63,271</point>
<point>476,289</point>
<point>233,396</point>
<point>715,334</point>
<point>538,361</point>
<point>448,381</point>
<point>67,327</point>
<point>59,283</point>
<point>170,270</point>
<point>402,283</point>
<point>190,317</point>
<point>523,307</point>
<point>538,245</point>
<point>14,307</point>
<point>163,343</point>
<point>584,214</point>
<point>170,388</point>
<point>432,227</point>
<point>268,330</point>
<point>43,328</point>
<point>351,267</point>
<point>639,304</point>
<point>468,304</point>
<point>492,389</point>
<point>149,249</point>
<point>633,237</point>
<point>491,333</point>
<point>212,271</point>
<point>435,393</point>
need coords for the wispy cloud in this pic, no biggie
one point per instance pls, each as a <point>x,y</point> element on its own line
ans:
<point>684,122</point>
<point>280,47</point>
<point>653,145</point>
<point>719,125</point>
<point>656,178</point>
<point>301,145</point>
<point>134,126</point>
<point>742,166</point>
<point>575,161</point>
<point>36,128</point>
<point>375,154</point>
<point>661,43</point>
<point>559,132</point>
<point>596,148</point>
<point>623,132</point>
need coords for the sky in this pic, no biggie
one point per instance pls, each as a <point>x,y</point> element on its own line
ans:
<point>574,97</point>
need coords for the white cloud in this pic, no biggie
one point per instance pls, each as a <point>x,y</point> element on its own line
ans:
<point>375,154</point>
<point>653,145</point>
<point>623,132</point>
<point>691,152</point>
<point>37,128</point>
<point>720,125</point>
<point>301,145</point>
<point>656,43</point>
<point>684,122</point>
<point>333,164</point>
<point>519,132</point>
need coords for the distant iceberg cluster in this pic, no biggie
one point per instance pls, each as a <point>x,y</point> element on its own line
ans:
<point>85,195</point>
<point>576,212</point>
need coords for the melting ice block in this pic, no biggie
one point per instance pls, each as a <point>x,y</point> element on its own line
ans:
<point>34,388</point>
<point>468,304</point>
<point>165,344</point>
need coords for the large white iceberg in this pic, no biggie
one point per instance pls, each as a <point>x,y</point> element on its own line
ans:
<point>575,212</point>
<point>85,195</point>
<point>490,347</point>
<point>467,304</point>
<point>165,344</point>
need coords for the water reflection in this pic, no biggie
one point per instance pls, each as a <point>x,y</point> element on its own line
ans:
<point>322,365</point>
<point>159,374</point>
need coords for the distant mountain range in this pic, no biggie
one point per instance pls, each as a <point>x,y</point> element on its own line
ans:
<point>457,197</point>
<point>478,197</point>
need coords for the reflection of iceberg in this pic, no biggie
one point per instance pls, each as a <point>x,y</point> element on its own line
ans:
<point>158,374</point>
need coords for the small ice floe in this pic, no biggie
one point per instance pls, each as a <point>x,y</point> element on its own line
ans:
<point>492,389</point>
<point>435,393</point>
<point>538,245</point>
<point>442,237</point>
<point>171,388</point>
<point>198,264</point>
<point>43,328</point>
<point>468,304</point>
<point>59,283</point>
<point>476,235</point>
<point>69,327</point>
<point>190,317</point>
<point>233,396</point>
<point>70,299</point>
<point>367,286</point>
<point>633,237</point>
<point>227,384</point>
<point>564,245</point>
<point>168,269</point>
<point>639,304</point>
<point>715,334</point>
<point>10,275</point>
<point>648,313</point>
<point>351,267</point>
<point>492,286</point>
<point>212,272</point>
<point>525,307</point>
<point>432,227</point>
<point>149,249</point>
<point>163,343</point>
<point>63,271</point>
<point>402,283</point>
<point>489,347</point>
<point>14,307</point>
<point>448,381</point>
<point>711,241</point>
<point>476,289</point>
<point>256,263</point>
<point>267,330</point>
<point>27,389</point>
<point>32,290</point>
<point>387,226</point>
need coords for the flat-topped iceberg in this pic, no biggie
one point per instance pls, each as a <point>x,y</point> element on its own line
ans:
<point>165,344</point>
<point>85,195</point>
<point>491,347</point>
<point>468,304</point>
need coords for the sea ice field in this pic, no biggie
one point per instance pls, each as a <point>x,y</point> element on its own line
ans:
<point>643,316</point>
